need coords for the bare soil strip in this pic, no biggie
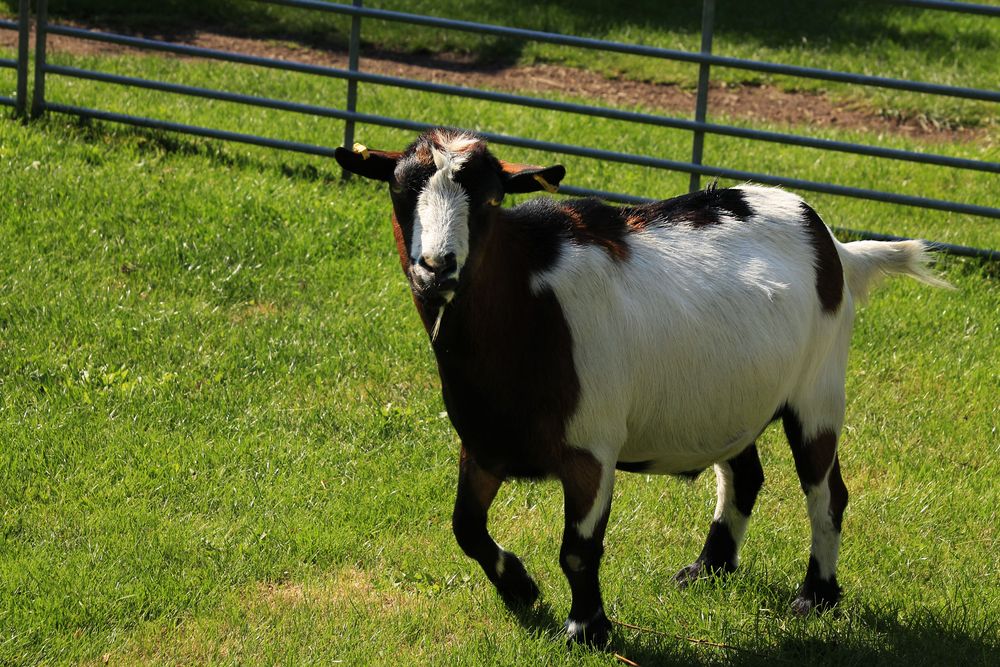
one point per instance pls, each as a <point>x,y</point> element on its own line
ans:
<point>761,104</point>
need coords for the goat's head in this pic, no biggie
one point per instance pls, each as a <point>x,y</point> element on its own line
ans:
<point>446,190</point>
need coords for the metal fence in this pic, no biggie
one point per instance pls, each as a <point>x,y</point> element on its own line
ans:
<point>20,99</point>
<point>698,127</point>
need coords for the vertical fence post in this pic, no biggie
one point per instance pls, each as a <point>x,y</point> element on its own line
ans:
<point>352,85</point>
<point>41,30</point>
<point>701,104</point>
<point>21,106</point>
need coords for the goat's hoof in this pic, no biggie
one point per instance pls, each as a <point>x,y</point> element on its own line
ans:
<point>515,585</point>
<point>700,570</point>
<point>594,633</point>
<point>816,596</point>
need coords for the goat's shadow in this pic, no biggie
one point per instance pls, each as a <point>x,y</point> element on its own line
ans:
<point>871,635</point>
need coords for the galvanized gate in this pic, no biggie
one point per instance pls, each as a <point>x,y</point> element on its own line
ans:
<point>20,99</point>
<point>698,126</point>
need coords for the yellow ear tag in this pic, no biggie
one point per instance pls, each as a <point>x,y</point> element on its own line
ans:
<point>362,150</point>
<point>548,187</point>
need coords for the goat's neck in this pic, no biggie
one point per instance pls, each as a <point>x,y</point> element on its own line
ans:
<point>494,290</point>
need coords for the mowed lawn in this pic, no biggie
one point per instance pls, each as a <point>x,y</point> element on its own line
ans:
<point>221,436</point>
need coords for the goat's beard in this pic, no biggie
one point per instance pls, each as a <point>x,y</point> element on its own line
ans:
<point>432,301</point>
<point>437,322</point>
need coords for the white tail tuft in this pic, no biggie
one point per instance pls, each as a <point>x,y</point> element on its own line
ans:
<point>866,262</point>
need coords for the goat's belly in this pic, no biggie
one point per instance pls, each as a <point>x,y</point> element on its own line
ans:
<point>672,454</point>
<point>682,443</point>
<point>697,404</point>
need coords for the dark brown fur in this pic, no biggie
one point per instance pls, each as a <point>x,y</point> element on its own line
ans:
<point>594,223</point>
<point>504,355</point>
<point>581,473</point>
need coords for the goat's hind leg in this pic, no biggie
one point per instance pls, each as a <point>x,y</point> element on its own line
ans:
<point>814,448</point>
<point>476,490</point>
<point>738,482</point>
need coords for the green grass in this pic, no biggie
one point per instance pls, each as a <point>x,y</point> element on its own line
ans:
<point>968,186</point>
<point>850,35</point>
<point>222,437</point>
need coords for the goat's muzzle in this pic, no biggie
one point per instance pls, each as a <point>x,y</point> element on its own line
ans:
<point>435,282</point>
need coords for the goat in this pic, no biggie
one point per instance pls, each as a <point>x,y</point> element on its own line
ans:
<point>575,338</point>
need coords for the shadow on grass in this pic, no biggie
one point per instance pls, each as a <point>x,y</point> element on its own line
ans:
<point>837,25</point>
<point>148,142</point>
<point>863,636</point>
<point>851,634</point>
<point>539,619</point>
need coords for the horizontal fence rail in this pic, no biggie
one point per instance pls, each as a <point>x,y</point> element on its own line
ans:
<point>521,100</point>
<point>698,127</point>
<point>654,51</point>
<point>548,146</point>
<point>957,7</point>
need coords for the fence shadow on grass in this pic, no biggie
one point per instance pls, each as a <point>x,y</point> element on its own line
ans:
<point>835,25</point>
<point>152,142</point>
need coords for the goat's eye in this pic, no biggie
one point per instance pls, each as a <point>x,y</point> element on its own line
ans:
<point>495,201</point>
<point>395,187</point>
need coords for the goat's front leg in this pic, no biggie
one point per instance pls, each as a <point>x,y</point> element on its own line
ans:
<point>476,490</point>
<point>587,486</point>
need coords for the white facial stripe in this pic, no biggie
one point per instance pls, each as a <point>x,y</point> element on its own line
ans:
<point>441,222</point>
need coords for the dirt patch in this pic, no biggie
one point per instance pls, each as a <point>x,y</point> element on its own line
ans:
<point>347,586</point>
<point>254,310</point>
<point>746,103</point>
<point>283,594</point>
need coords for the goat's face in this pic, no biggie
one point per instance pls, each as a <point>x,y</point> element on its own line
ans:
<point>446,190</point>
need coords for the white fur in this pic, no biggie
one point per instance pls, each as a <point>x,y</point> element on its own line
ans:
<point>825,537</point>
<point>685,351</point>
<point>585,528</point>
<point>725,507</point>
<point>456,143</point>
<point>441,222</point>
<point>574,628</point>
<point>574,563</point>
<point>868,261</point>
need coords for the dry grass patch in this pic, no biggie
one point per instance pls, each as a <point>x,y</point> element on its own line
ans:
<point>326,616</point>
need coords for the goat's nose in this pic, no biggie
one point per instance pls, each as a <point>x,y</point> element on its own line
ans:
<point>439,266</point>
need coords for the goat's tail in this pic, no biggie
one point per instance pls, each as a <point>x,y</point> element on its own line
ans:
<point>866,262</point>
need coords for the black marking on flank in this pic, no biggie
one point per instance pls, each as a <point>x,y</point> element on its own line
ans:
<point>634,466</point>
<point>829,271</point>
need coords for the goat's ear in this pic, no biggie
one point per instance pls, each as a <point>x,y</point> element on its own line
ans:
<point>526,178</point>
<point>378,165</point>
